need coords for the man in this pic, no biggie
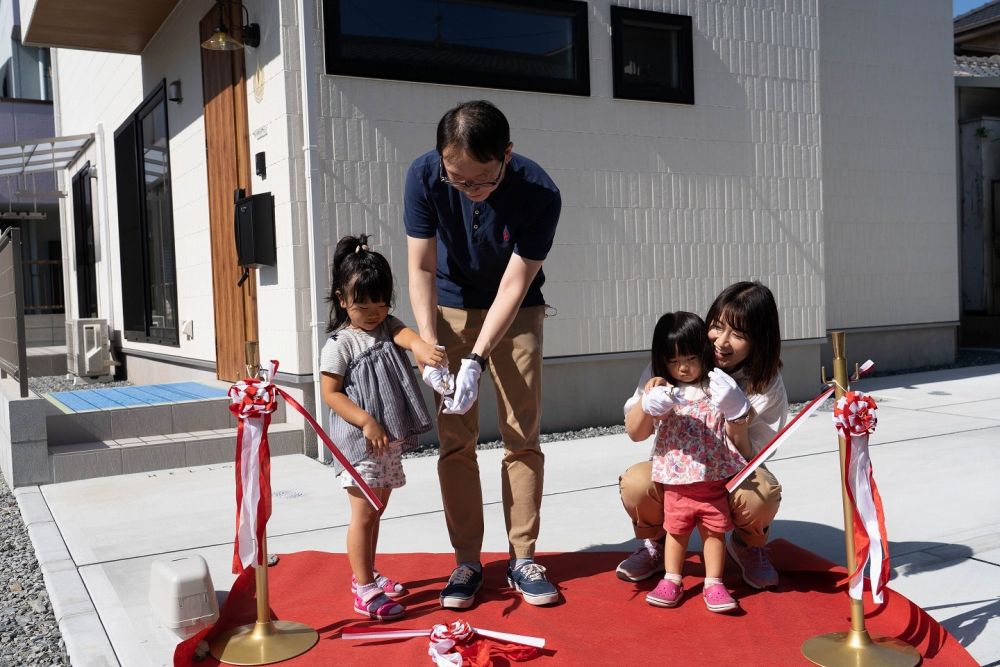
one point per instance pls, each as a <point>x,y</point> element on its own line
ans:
<point>480,221</point>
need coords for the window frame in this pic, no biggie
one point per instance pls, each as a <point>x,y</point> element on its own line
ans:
<point>411,70</point>
<point>683,94</point>
<point>84,242</point>
<point>137,296</point>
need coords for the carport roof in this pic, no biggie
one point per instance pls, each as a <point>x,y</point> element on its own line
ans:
<point>41,155</point>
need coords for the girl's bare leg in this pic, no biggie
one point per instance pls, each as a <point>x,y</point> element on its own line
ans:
<point>714,552</point>
<point>383,495</point>
<point>364,523</point>
<point>674,553</point>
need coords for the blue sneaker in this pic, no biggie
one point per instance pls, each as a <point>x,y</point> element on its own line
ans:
<point>529,580</point>
<point>463,584</point>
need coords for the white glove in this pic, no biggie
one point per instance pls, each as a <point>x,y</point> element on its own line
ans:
<point>466,388</point>
<point>726,395</point>
<point>658,401</point>
<point>439,379</point>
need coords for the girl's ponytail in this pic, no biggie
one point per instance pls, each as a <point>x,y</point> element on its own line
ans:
<point>358,274</point>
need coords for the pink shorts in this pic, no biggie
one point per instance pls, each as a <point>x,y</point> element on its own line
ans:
<point>704,503</point>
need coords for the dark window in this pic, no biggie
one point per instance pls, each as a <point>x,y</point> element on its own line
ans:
<point>145,224</point>
<point>651,55</point>
<point>538,45</point>
<point>83,221</point>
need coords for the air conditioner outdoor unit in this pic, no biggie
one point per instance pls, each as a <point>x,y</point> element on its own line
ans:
<point>88,349</point>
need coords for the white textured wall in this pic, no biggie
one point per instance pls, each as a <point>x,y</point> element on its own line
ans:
<point>888,131</point>
<point>174,54</point>
<point>663,204</point>
<point>274,111</point>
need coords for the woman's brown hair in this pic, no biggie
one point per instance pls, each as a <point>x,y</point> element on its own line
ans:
<point>749,307</point>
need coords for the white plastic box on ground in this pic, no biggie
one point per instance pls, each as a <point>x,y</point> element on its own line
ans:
<point>181,595</point>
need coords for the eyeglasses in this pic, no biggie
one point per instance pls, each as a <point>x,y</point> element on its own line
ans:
<point>470,185</point>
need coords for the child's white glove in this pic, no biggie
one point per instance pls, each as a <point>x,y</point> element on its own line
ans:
<point>726,395</point>
<point>466,388</point>
<point>439,379</point>
<point>658,401</point>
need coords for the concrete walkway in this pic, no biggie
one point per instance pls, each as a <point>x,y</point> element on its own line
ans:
<point>936,455</point>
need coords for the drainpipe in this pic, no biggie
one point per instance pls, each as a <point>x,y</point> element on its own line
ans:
<point>106,255</point>
<point>317,257</point>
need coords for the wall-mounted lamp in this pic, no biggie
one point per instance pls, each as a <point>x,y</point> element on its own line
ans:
<point>174,92</point>
<point>222,40</point>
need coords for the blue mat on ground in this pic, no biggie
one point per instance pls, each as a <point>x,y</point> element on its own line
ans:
<point>88,400</point>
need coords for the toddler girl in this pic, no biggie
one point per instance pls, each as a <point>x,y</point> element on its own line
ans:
<point>692,455</point>
<point>378,410</point>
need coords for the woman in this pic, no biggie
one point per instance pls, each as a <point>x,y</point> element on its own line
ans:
<point>744,332</point>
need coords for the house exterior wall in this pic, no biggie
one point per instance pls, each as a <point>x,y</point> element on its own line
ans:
<point>888,135</point>
<point>86,103</point>
<point>93,92</point>
<point>663,204</point>
<point>800,137</point>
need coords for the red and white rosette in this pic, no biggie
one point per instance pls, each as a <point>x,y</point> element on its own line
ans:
<point>458,643</point>
<point>855,416</point>
<point>252,401</point>
<point>443,640</point>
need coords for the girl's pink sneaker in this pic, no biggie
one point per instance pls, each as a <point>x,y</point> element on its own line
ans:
<point>390,587</point>
<point>377,606</point>
<point>718,599</point>
<point>666,594</point>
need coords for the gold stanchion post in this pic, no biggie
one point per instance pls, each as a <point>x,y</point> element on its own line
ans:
<point>855,648</point>
<point>267,640</point>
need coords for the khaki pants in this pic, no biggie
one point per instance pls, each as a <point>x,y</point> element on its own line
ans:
<point>754,503</point>
<point>516,368</point>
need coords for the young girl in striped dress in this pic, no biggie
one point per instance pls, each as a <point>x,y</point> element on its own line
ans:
<point>378,411</point>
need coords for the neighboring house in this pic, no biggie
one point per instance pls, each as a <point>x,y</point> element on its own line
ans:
<point>28,197</point>
<point>806,144</point>
<point>977,104</point>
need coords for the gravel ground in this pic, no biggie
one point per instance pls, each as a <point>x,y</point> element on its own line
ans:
<point>45,384</point>
<point>29,634</point>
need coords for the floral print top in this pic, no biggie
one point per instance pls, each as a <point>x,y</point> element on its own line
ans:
<point>691,444</point>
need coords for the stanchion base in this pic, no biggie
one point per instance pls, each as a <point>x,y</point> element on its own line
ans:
<point>263,643</point>
<point>857,649</point>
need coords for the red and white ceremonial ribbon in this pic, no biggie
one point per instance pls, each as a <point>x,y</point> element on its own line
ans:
<point>253,401</point>
<point>793,424</point>
<point>855,416</point>
<point>365,489</point>
<point>444,638</point>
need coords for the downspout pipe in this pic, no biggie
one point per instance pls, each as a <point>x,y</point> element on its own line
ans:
<point>317,257</point>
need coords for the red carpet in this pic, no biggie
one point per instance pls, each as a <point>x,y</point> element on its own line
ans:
<point>601,620</point>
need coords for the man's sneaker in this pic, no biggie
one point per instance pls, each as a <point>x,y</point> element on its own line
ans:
<point>754,564</point>
<point>641,565</point>
<point>529,580</point>
<point>463,584</point>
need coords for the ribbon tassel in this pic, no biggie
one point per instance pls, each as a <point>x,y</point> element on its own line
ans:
<point>855,417</point>
<point>252,401</point>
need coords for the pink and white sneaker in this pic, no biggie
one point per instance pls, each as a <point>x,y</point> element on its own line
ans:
<point>666,594</point>
<point>718,599</point>
<point>390,587</point>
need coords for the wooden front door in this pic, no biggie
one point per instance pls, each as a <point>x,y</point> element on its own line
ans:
<point>227,155</point>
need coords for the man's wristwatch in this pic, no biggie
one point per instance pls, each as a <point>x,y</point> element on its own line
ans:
<point>478,359</point>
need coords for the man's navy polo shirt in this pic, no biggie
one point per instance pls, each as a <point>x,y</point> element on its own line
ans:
<point>476,239</point>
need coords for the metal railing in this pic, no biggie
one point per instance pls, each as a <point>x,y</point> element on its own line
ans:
<point>13,349</point>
